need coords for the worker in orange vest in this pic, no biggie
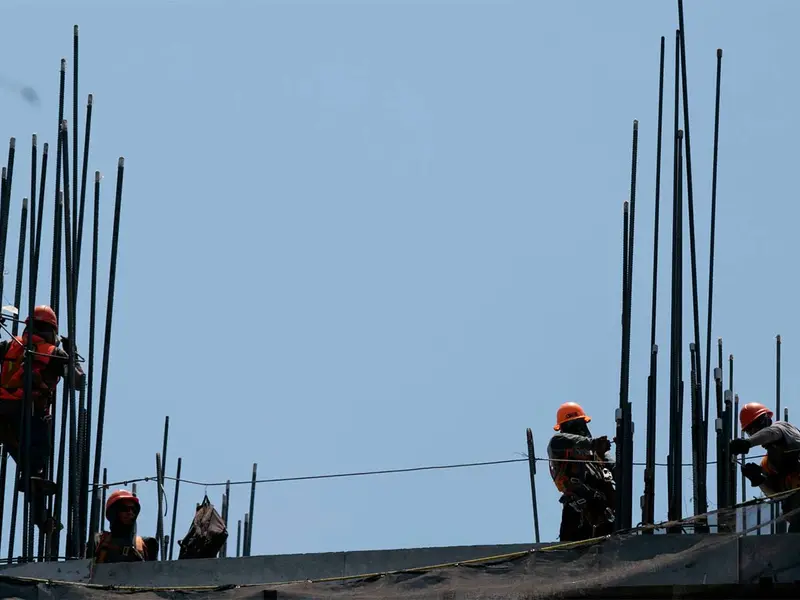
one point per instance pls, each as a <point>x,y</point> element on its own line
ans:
<point>120,543</point>
<point>779,470</point>
<point>50,363</point>
<point>581,468</point>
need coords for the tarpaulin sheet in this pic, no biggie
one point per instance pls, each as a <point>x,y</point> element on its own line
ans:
<point>605,569</point>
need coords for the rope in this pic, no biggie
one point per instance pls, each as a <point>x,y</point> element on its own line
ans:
<point>126,482</point>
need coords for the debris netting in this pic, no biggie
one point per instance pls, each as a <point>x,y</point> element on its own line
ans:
<point>609,563</point>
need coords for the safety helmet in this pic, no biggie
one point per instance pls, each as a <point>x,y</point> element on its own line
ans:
<point>44,314</point>
<point>569,411</point>
<point>750,412</point>
<point>118,496</point>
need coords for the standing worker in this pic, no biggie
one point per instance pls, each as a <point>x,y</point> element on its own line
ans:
<point>779,470</point>
<point>50,364</point>
<point>581,469</point>
<point>120,543</point>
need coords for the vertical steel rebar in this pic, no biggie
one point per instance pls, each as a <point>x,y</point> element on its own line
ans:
<point>75,154</point>
<point>94,509</point>
<point>619,509</point>
<point>246,540</point>
<point>109,315</point>
<point>252,508</point>
<point>101,516</point>
<point>175,508</point>
<point>532,471</point>
<point>84,173</point>
<point>225,513</point>
<point>648,503</point>
<point>714,163</point>
<point>239,539</point>
<point>160,521</point>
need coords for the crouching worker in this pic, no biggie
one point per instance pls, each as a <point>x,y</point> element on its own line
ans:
<point>581,469</point>
<point>120,543</point>
<point>50,364</point>
<point>779,470</point>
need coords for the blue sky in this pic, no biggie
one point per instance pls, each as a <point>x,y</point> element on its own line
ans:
<point>381,235</point>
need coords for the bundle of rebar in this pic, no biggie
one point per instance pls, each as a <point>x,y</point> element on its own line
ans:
<point>70,459</point>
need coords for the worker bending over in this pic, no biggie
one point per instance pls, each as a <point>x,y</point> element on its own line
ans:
<point>120,543</point>
<point>581,469</point>
<point>779,470</point>
<point>50,364</point>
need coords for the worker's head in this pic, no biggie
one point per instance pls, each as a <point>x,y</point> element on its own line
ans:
<point>754,417</point>
<point>44,320</point>
<point>571,418</point>
<point>122,507</point>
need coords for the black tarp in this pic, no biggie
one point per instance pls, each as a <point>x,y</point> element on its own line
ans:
<point>708,568</point>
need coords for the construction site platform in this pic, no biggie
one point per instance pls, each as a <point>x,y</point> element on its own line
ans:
<point>642,566</point>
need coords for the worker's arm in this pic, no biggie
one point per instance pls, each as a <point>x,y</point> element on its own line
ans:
<point>568,441</point>
<point>768,435</point>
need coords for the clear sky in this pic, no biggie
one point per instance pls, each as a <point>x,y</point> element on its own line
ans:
<point>382,235</point>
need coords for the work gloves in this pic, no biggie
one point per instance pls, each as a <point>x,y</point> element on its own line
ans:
<point>753,473</point>
<point>740,446</point>
<point>601,445</point>
<point>67,345</point>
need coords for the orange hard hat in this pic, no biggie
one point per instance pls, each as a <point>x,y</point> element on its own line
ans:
<point>750,412</point>
<point>569,411</point>
<point>44,314</point>
<point>118,496</point>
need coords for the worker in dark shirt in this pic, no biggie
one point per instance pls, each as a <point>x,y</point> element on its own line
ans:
<point>121,543</point>
<point>49,364</point>
<point>779,470</point>
<point>581,470</point>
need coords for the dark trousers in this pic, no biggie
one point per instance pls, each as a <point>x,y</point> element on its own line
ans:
<point>574,528</point>
<point>10,435</point>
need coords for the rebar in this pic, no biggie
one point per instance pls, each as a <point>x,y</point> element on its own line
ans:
<point>175,508</point>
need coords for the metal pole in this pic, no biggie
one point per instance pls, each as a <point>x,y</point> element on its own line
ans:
<point>619,509</point>
<point>95,509</point>
<point>42,186</point>
<point>175,508</point>
<point>84,173</point>
<point>252,508</point>
<point>532,471</point>
<point>164,451</point>
<point>648,503</point>
<point>713,224</point>
<point>101,516</point>
<point>160,521</point>
<point>109,314</point>
<point>239,539</point>
<point>245,541</point>
<point>75,137</point>
<point>225,513</point>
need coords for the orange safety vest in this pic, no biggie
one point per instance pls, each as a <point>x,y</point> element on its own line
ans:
<point>12,373</point>
<point>783,481</point>
<point>105,547</point>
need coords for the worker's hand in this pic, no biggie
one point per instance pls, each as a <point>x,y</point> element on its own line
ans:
<point>601,445</point>
<point>67,345</point>
<point>754,473</point>
<point>740,446</point>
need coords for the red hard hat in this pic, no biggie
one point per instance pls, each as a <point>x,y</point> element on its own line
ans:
<point>117,497</point>
<point>750,412</point>
<point>44,314</point>
<point>570,411</point>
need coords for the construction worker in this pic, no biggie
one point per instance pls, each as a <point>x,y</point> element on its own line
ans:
<point>779,470</point>
<point>120,543</point>
<point>49,364</point>
<point>581,469</point>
